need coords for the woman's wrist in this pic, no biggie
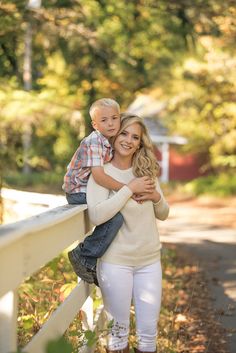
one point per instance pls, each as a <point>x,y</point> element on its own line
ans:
<point>156,198</point>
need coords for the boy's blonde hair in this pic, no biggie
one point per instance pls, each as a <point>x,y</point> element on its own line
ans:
<point>103,102</point>
<point>144,161</point>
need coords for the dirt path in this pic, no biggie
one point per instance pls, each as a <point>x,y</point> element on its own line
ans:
<point>207,229</point>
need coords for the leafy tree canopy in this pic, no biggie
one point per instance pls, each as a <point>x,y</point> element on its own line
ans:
<point>86,49</point>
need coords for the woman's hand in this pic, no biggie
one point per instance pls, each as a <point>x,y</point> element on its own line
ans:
<point>141,185</point>
<point>153,196</point>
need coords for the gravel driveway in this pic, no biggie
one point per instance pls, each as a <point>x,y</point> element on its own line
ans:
<point>207,229</point>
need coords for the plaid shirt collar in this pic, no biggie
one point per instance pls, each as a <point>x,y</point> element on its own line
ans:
<point>104,139</point>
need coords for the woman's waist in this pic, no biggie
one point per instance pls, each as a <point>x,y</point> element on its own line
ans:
<point>132,259</point>
<point>126,244</point>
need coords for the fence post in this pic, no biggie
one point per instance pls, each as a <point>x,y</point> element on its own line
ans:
<point>8,322</point>
<point>88,309</point>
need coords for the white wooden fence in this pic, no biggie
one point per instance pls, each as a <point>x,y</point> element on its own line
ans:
<point>26,246</point>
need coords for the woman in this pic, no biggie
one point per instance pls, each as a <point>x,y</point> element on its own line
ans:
<point>130,269</point>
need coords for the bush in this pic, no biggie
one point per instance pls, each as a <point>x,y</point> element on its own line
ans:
<point>36,181</point>
<point>218,185</point>
<point>60,345</point>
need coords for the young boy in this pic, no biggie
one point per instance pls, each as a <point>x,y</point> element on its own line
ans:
<point>94,151</point>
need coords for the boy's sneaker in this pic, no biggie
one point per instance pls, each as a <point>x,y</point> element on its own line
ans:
<point>81,271</point>
<point>95,279</point>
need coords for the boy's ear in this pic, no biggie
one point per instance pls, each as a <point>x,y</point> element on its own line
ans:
<point>94,125</point>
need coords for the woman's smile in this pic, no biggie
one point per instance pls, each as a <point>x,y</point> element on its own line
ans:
<point>125,146</point>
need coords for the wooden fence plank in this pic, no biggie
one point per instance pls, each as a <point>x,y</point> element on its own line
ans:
<point>27,245</point>
<point>38,242</point>
<point>8,322</point>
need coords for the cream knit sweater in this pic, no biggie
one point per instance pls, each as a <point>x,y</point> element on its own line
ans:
<point>137,242</point>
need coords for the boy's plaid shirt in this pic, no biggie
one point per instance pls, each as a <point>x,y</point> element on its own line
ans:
<point>95,150</point>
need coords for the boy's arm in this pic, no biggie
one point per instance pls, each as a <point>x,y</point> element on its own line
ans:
<point>137,185</point>
<point>101,178</point>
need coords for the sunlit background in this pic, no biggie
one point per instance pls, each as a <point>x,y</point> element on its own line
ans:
<point>172,62</point>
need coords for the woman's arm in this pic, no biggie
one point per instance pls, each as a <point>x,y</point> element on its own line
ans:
<point>101,208</point>
<point>161,207</point>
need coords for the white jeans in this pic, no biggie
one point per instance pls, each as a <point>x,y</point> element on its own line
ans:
<point>119,285</point>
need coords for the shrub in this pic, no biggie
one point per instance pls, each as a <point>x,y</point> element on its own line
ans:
<point>218,185</point>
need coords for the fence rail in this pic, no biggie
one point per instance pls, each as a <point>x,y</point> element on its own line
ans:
<point>25,247</point>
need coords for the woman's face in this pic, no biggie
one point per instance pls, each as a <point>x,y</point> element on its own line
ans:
<point>128,141</point>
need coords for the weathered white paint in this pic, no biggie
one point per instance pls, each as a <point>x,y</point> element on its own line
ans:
<point>165,162</point>
<point>27,245</point>
<point>163,142</point>
<point>89,314</point>
<point>177,140</point>
<point>8,322</point>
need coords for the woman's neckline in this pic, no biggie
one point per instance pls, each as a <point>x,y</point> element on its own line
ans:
<point>121,169</point>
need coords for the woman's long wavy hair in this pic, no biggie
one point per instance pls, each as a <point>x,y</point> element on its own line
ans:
<point>144,161</point>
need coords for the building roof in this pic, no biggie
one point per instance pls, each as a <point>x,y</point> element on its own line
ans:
<point>149,108</point>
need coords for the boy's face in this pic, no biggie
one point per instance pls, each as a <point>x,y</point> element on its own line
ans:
<point>107,121</point>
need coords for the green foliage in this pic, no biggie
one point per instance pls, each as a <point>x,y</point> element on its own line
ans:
<point>202,106</point>
<point>91,338</point>
<point>218,185</point>
<point>183,52</point>
<point>59,346</point>
<point>39,182</point>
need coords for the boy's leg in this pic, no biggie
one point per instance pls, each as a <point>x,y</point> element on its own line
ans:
<point>78,198</point>
<point>74,255</point>
<point>86,253</point>
<point>96,244</point>
<point>84,257</point>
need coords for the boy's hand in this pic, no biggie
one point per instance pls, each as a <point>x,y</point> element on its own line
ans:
<point>135,197</point>
<point>141,185</point>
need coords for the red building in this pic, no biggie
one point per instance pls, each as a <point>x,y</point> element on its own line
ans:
<point>174,165</point>
<point>181,166</point>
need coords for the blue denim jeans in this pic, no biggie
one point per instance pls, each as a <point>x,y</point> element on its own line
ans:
<point>95,244</point>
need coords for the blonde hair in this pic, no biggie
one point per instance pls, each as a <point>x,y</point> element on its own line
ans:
<point>103,102</point>
<point>144,161</point>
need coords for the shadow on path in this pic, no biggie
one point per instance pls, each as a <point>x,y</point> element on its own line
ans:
<point>214,248</point>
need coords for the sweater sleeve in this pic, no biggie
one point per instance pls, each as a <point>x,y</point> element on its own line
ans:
<point>161,208</point>
<point>101,208</point>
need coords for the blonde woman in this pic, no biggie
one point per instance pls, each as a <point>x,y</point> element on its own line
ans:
<point>130,269</point>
